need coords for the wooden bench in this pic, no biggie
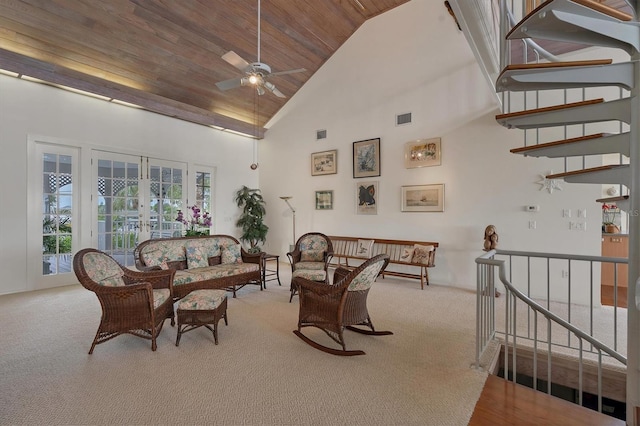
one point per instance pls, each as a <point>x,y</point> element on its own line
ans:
<point>345,248</point>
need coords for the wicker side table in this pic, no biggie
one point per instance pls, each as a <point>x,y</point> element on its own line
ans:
<point>274,274</point>
<point>202,308</point>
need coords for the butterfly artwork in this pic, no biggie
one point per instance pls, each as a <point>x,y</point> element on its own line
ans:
<point>367,196</point>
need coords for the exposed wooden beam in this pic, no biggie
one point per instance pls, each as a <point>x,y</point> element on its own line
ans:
<point>24,65</point>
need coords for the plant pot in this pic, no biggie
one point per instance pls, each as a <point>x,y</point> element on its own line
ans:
<point>611,229</point>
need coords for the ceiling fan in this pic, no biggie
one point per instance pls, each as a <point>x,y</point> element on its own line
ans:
<point>256,73</point>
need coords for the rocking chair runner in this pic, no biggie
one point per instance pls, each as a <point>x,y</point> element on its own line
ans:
<point>332,308</point>
<point>132,302</point>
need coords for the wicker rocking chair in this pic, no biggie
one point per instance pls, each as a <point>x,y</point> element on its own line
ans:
<point>132,302</point>
<point>343,304</point>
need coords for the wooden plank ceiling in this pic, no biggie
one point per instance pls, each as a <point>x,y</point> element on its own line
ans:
<point>165,55</point>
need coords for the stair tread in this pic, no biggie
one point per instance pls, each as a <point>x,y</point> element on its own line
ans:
<point>548,109</point>
<point>607,10</point>
<point>556,143</point>
<point>614,13</point>
<point>613,199</point>
<point>585,171</point>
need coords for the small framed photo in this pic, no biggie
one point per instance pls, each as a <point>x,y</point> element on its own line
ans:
<point>422,153</point>
<point>366,158</point>
<point>367,197</point>
<point>324,200</point>
<point>423,198</point>
<point>324,163</point>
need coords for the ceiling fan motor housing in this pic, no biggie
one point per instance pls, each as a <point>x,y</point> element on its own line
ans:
<point>261,68</point>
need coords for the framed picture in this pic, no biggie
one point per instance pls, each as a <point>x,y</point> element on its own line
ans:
<point>422,153</point>
<point>324,200</point>
<point>423,198</point>
<point>324,163</point>
<point>367,197</point>
<point>366,158</point>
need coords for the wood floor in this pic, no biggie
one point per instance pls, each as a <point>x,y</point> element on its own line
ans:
<point>507,403</point>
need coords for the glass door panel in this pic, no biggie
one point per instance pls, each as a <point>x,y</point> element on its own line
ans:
<point>57,213</point>
<point>118,197</point>
<point>166,198</point>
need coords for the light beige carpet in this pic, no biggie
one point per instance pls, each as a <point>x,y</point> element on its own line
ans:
<point>259,374</point>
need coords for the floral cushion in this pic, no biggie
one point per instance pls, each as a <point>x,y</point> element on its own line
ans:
<point>188,276</point>
<point>310,265</point>
<point>312,256</point>
<point>421,254</point>
<point>103,270</point>
<point>231,253</point>
<point>160,251</point>
<point>160,296</point>
<point>366,278</point>
<point>310,274</point>
<point>199,250</point>
<point>202,300</point>
<point>313,242</point>
<point>213,272</point>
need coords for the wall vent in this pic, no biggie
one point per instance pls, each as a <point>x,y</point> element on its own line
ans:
<point>402,119</point>
<point>321,134</point>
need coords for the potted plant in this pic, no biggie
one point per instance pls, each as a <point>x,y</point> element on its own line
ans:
<point>609,212</point>
<point>197,224</point>
<point>254,230</point>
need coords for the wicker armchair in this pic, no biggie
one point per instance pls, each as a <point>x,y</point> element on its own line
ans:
<point>132,302</point>
<point>310,259</point>
<point>332,308</point>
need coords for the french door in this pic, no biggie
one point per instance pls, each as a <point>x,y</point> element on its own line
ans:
<point>135,199</point>
<point>53,236</point>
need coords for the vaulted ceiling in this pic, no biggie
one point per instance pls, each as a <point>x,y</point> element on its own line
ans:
<point>165,55</point>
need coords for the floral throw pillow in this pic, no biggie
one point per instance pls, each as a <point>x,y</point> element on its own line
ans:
<point>421,254</point>
<point>312,256</point>
<point>231,253</point>
<point>197,255</point>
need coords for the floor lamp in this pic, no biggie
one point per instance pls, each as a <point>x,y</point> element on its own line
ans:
<point>293,211</point>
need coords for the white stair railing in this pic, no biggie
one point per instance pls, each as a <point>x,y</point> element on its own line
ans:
<point>558,334</point>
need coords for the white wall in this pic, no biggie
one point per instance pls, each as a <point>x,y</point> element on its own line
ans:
<point>28,109</point>
<point>413,59</point>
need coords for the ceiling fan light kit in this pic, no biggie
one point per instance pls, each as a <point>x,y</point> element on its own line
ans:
<point>256,73</point>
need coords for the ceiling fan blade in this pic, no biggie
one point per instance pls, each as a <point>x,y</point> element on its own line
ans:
<point>229,84</point>
<point>288,72</point>
<point>273,89</point>
<point>234,59</point>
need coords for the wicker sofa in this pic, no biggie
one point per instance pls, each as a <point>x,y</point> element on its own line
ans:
<point>203,262</point>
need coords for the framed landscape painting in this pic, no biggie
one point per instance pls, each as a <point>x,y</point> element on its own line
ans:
<point>324,200</point>
<point>366,158</point>
<point>324,163</point>
<point>422,153</point>
<point>423,198</point>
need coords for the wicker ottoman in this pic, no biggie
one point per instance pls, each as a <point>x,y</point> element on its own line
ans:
<point>202,308</point>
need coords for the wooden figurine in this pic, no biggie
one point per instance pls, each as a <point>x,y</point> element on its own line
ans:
<point>490,238</point>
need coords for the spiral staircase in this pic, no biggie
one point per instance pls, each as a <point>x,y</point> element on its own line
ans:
<point>592,23</point>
